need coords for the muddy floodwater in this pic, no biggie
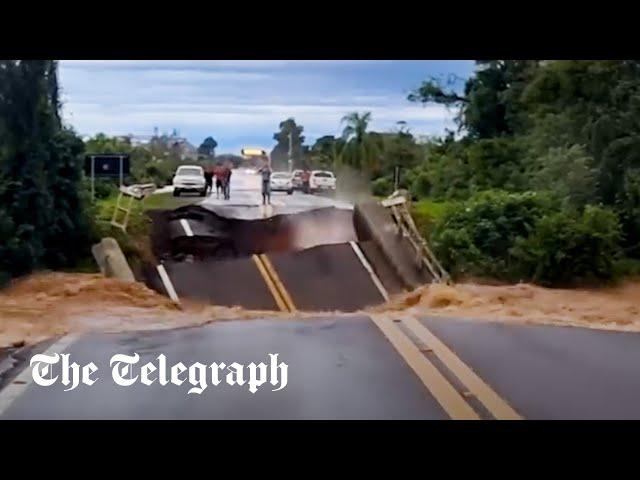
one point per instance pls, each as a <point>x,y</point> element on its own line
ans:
<point>49,304</point>
<point>611,308</point>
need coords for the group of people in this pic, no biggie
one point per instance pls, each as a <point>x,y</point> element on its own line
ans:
<point>222,172</point>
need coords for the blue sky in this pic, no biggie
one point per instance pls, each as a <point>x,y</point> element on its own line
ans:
<point>241,102</point>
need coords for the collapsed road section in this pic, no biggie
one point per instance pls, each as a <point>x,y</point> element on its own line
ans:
<point>315,260</point>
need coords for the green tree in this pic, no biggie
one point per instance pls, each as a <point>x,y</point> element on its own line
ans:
<point>362,150</point>
<point>326,152</point>
<point>208,148</point>
<point>280,153</point>
<point>41,195</point>
<point>490,103</point>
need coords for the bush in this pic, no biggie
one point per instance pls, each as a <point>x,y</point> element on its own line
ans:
<point>382,187</point>
<point>568,173</point>
<point>420,185</point>
<point>475,237</point>
<point>526,236</point>
<point>103,187</point>
<point>427,213</point>
<point>565,247</point>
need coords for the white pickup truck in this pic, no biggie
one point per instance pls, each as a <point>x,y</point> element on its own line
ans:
<point>322,181</point>
<point>189,178</point>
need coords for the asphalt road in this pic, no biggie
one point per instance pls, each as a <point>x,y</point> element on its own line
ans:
<point>245,201</point>
<point>347,368</point>
<point>338,369</point>
<point>550,372</point>
<point>328,277</point>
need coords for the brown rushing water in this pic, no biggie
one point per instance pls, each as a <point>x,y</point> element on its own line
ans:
<point>614,308</point>
<point>48,304</point>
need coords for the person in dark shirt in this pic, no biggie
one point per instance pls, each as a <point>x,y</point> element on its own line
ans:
<point>265,171</point>
<point>208,179</point>
<point>218,174</point>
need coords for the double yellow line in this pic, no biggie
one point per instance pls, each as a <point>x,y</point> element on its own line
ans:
<point>274,284</point>
<point>454,402</point>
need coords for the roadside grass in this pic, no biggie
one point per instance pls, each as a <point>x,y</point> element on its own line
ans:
<point>426,213</point>
<point>166,201</point>
<point>135,243</point>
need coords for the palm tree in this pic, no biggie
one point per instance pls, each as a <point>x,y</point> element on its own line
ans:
<point>361,151</point>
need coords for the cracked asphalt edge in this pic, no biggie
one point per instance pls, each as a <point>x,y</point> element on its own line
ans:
<point>13,360</point>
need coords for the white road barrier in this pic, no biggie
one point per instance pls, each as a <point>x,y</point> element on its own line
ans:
<point>168,286</point>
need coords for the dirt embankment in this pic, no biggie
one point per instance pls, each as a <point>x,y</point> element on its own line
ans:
<point>614,308</point>
<point>49,304</point>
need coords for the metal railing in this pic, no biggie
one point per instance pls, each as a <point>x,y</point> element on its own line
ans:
<point>398,205</point>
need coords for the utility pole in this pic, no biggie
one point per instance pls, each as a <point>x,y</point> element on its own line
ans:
<point>290,152</point>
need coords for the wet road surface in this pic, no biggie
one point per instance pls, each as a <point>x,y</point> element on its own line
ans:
<point>340,369</point>
<point>245,201</point>
<point>551,372</point>
<point>345,367</point>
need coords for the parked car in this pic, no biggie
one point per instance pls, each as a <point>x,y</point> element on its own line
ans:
<point>282,182</point>
<point>189,178</point>
<point>297,179</point>
<point>322,181</point>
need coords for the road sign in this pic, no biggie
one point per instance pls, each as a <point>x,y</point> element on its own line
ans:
<point>253,152</point>
<point>112,165</point>
<point>106,165</point>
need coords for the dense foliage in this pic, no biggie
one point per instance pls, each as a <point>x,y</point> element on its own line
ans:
<point>541,182</point>
<point>564,131</point>
<point>568,130</point>
<point>43,220</point>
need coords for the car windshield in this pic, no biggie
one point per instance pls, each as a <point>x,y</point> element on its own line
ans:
<point>189,171</point>
<point>280,175</point>
<point>323,174</point>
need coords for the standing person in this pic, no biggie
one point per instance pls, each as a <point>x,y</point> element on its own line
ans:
<point>218,173</point>
<point>227,182</point>
<point>306,175</point>
<point>208,179</point>
<point>229,172</point>
<point>265,171</point>
<point>225,173</point>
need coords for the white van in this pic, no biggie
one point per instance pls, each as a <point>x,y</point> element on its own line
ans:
<point>322,181</point>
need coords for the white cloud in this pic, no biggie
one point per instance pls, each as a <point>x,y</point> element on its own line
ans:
<point>211,64</point>
<point>233,99</point>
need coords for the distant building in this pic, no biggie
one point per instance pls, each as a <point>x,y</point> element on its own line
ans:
<point>173,141</point>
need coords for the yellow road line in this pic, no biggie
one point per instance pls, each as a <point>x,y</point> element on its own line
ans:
<point>280,286</point>
<point>270,285</point>
<point>498,407</point>
<point>446,395</point>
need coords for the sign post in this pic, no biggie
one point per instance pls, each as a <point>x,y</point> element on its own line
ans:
<point>106,165</point>
<point>396,178</point>
<point>121,171</point>
<point>290,152</point>
<point>93,178</point>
